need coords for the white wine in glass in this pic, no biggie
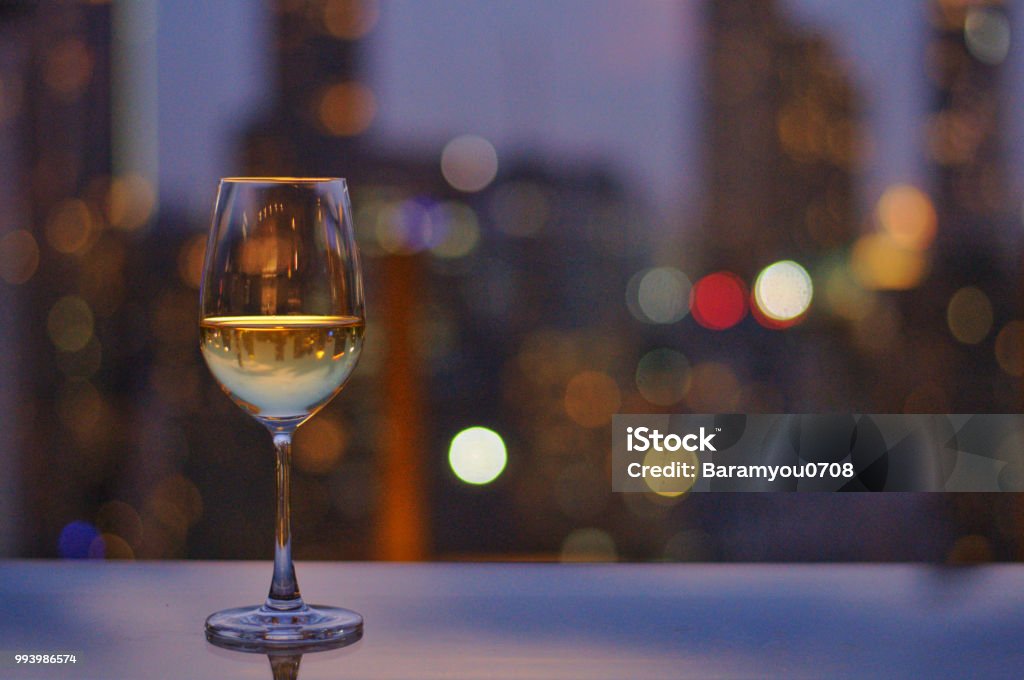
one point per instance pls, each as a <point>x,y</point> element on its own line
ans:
<point>281,329</point>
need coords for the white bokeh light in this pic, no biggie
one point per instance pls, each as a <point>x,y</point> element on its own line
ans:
<point>477,455</point>
<point>469,163</point>
<point>783,290</point>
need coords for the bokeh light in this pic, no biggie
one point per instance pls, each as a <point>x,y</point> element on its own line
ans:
<point>1010,348</point>
<point>19,256</point>
<point>879,262</point>
<point>588,545</point>
<point>660,295</point>
<point>190,260</point>
<point>121,519</point>
<point>131,200</point>
<point>907,215</point>
<point>477,455</point>
<point>714,388</point>
<point>783,292</point>
<point>319,444</point>
<point>69,226</point>
<point>663,376</point>
<point>350,19</point>
<point>68,69</point>
<point>718,301</point>
<point>409,227</point>
<point>969,315</point>
<point>591,398</point>
<point>459,230</point>
<point>987,34</point>
<point>70,323</point>
<point>469,163</point>
<point>346,109</point>
<point>110,547</point>
<point>75,539</point>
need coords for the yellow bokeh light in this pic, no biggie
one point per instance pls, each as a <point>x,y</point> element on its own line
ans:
<point>346,109</point>
<point>591,398</point>
<point>350,19</point>
<point>118,517</point>
<point>69,226</point>
<point>131,200</point>
<point>190,260</point>
<point>671,487</point>
<point>19,256</point>
<point>319,445</point>
<point>969,315</point>
<point>589,545</point>
<point>68,69</point>
<point>879,262</point>
<point>907,216</point>
<point>783,290</point>
<point>469,163</point>
<point>1010,348</point>
<point>70,323</point>
<point>461,233</point>
<point>477,455</point>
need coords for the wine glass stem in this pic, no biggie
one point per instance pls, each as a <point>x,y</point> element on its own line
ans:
<point>284,589</point>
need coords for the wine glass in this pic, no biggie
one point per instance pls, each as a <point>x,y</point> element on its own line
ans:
<point>281,328</point>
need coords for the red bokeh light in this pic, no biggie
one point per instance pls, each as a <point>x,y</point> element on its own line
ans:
<point>719,301</point>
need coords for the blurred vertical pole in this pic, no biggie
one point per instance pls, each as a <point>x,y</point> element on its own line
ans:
<point>402,512</point>
<point>135,91</point>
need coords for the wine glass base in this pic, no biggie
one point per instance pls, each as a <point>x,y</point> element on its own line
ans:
<point>307,628</point>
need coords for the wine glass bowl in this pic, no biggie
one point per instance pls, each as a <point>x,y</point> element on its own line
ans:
<point>281,329</point>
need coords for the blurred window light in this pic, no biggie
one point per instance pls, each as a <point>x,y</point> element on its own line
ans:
<point>969,315</point>
<point>350,19</point>
<point>1010,348</point>
<point>783,292</point>
<point>987,34</point>
<point>589,545</point>
<point>69,226</point>
<point>907,216</point>
<point>879,262</point>
<point>131,200</point>
<point>662,295</point>
<point>591,398</point>
<point>346,109</point>
<point>469,163</point>
<point>459,228</point>
<point>663,376</point>
<point>70,323</point>
<point>19,256</point>
<point>477,455</point>
<point>718,301</point>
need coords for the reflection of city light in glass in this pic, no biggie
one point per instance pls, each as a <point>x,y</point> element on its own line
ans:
<point>350,19</point>
<point>718,301</point>
<point>19,256</point>
<point>987,34</point>
<point>663,376</point>
<point>589,545</point>
<point>319,444</point>
<point>69,226</point>
<point>75,539</point>
<point>783,292</point>
<point>907,216</point>
<point>591,398</point>
<point>662,295</point>
<point>969,315</point>
<point>878,262</point>
<point>1010,348</point>
<point>469,163</point>
<point>477,455</point>
<point>459,228</point>
<point>70,323</point>
<point>346,109</point>
<point>520,208</point>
